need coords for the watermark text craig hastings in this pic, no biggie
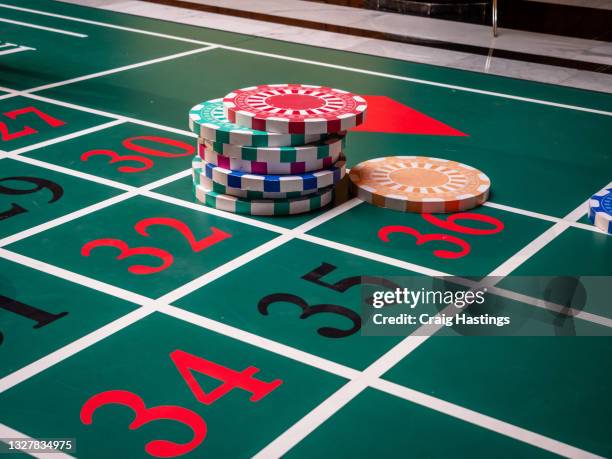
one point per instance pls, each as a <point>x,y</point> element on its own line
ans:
<point>412,298</point>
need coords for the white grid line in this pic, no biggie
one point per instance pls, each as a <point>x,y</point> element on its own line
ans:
<point>212,211</point>
<point>72,135</point>
<point>64,219</point>
<point>102,113</point>
<point>120,118</point>
<point>71,349</point>
<point>70,172</point>
<point>121,69</point>
<point>150,306</point>
<point>187,288</point>
<point>379,368</point>
<point>47,29</point>
<point>481,420</point>
<point>305,426</point>
<point>297,233</point>
<point>13,93</point>
<point>317,63</point>
<point>145,191</point>
<point>141,122</point>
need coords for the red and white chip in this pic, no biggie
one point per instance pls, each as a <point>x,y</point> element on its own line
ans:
<point>295,108</point>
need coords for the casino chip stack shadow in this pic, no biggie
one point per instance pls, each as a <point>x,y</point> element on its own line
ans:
<point>273,149</point>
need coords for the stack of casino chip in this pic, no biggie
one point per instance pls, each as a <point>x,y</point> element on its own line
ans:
<point>272,149</point>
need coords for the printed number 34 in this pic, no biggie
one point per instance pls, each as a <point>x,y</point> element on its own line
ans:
<point>186,364</point>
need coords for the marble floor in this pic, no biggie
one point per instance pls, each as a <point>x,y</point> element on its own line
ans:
<point>425,28</point>
<point>597,52</point>
<point>599,4</point>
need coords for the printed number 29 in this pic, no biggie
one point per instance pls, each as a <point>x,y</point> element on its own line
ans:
<point>39,184</point>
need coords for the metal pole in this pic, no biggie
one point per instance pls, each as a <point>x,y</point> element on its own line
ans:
<point>494,17</point>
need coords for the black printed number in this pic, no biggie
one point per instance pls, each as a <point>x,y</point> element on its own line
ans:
<point>39,184</point>
<point>343,285</point>
<point>307,311</point>
<point>315,276</point>
<point>38,316</point>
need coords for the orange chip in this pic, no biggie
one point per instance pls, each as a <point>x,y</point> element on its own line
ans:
<point>419,184</point>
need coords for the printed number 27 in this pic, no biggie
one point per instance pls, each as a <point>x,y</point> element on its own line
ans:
<point>5,135</point>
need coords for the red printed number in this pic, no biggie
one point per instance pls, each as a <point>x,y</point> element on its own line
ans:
<point>144,415</point>
<point>449,224</point>
<point>145,163</point>
<point>185,363</point>
<point>421,239</point>
<point>166,258</point>
<point>5,135</point>
<point>232,379</point>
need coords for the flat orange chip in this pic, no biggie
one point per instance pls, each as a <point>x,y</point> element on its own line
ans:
<point>419,184</point>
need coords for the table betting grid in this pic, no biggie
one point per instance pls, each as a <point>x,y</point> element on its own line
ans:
<point>160,347</point>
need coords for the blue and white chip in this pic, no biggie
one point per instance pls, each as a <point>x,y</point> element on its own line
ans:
<point>269,183</point>
<point>600,209</point>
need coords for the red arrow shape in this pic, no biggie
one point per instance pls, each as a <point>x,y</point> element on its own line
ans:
<point>387,115</point>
